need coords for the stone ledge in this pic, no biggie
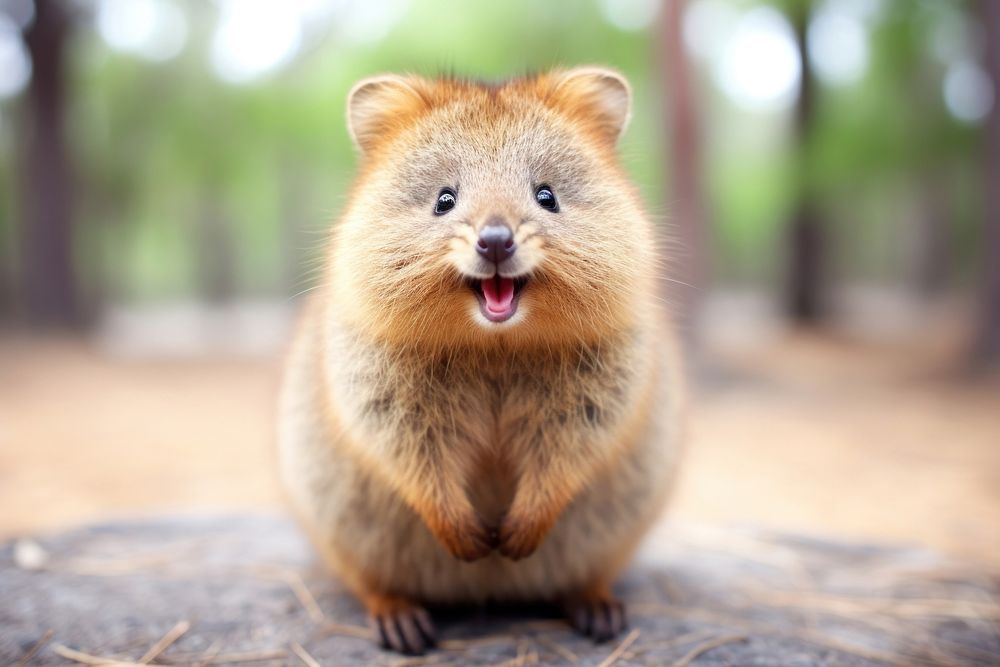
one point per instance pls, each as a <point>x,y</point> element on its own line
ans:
<point>248,591</point>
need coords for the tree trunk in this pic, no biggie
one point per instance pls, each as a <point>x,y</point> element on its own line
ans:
<point>987,345</point>
<point>933,259</point>
<point>216,258</point>
<point>48,276</point>
<point>806,242</point>
<point>686,272</point>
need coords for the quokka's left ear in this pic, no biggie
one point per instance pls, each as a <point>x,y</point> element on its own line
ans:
<point>598,94</point>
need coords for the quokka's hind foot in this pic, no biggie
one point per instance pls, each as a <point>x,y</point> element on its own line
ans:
<point>400,625</point>
<point>596,614</point>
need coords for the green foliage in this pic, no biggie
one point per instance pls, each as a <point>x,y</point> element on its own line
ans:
<point>164,146</point>
<point>165,151</point>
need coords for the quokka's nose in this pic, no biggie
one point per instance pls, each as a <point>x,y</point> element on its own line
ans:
<point>496,243</point>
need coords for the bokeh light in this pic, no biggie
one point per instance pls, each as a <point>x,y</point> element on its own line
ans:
<point>253,38</point>
<point>630,14</point>
<point>152,29</point>
<point>15,66</point>
<point>968,91</point>
<point>759,68</point>
<point>838,45</point>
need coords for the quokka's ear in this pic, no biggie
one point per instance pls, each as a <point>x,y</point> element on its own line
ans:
<point>378,104</point>
<point>599,94</point>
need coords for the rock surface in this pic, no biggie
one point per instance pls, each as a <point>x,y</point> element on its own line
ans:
<point>247,590</point>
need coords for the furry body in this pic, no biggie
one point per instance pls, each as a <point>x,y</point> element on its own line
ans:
<point>435,456</point>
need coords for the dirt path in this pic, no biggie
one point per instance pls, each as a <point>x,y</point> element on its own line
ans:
<point>808,434</point>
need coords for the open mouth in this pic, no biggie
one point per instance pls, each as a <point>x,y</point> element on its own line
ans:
<point>498,296</point>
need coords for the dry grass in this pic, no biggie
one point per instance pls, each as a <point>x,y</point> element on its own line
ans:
<point>304,655</point>
<point>706,646</point>
<point>35,648</point>
<point>620,650</point>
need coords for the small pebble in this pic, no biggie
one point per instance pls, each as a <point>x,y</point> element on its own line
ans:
<point>29,555</point>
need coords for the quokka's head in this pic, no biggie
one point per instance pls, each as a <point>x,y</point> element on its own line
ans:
<point>491,212</point>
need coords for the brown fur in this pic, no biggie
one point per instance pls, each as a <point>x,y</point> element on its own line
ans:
<point>413,431</point>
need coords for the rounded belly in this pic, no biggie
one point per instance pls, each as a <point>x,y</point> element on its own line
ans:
<point>372,531</point>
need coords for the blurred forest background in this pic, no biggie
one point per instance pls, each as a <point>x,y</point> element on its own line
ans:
<point>828,172</point>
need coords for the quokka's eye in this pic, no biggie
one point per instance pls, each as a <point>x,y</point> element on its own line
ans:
<point>546,198</point>
<point>445,202</point>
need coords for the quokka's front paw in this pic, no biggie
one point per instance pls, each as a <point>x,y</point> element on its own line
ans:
<point>519,537</point>
<point>467,539</point>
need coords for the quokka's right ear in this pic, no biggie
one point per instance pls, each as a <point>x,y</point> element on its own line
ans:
<point>379,104</point>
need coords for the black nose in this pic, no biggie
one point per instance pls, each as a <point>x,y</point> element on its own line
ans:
<point>496,243</point>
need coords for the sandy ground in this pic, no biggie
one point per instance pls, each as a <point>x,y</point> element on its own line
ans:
<point>806,434</point>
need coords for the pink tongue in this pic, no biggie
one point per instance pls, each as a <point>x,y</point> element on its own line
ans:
<point>499,293</point>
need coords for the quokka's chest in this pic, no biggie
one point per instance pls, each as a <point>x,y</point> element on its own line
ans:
<point>487,402</point>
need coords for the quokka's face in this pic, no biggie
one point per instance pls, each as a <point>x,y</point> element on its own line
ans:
<point>487,210</point>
